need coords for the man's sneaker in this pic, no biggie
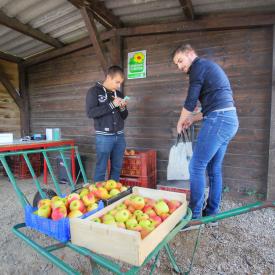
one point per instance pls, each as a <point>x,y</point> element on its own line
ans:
<point>192,227</point>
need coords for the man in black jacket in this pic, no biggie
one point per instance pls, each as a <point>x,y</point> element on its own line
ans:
<point>106,105</point>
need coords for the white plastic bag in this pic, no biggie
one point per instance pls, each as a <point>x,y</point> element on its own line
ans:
<point>179,158</point>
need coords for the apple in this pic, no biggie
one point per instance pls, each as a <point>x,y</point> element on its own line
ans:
<point>83,192</point>
<point>77,205</point>
<point>138,202</point>
<point>161,207</point>
<point>136,228</point>
<point>73,196</point>
<point>131,223</point>
<point>113,212</point>
<point>88,199</point>
<point>102,193</point>
<point>147,207</point>
<point>150,212</point>
<point>142,217</point>
<point>107,217</point>
<point>75,214</point>
<point>144,223</point>
<point>137,213</point>
<point>92,188</point>
<point>96,220</point>
<point>44,211</point>
<point>122,215</point>
<point>149,201</point>
<point>114,192</point>
<point>99,184</point>
<point>156,220</point>
<point>121,206</point>
<point>128,202</point>
<point>131,208</point>
<point>119,185</point>
<point>44,202</point>
<point>164,216</point>
<point>173,205</point>
<point>57,203</point>
<point>110,184</point>
<point>92,207</point>
<point>147,230</point>
<point>59,213</point>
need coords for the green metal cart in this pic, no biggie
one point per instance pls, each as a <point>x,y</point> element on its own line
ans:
<point>95,259</point>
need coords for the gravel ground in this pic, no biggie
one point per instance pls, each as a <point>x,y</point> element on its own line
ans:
<point>240,245</point>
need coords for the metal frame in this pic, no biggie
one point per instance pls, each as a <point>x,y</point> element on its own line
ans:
<point>95,259</point>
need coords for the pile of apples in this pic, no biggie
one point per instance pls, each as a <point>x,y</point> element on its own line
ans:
<point>75,205</point>
<point>139,214</point>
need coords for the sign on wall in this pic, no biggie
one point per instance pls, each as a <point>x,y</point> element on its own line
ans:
<point>137,64</point>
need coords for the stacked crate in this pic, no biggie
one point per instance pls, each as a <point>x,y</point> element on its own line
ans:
<point>139,169</point>
<point>19,166</point>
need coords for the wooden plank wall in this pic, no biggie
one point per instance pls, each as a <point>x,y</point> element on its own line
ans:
<point>58,89</point>
<point>9,112</point>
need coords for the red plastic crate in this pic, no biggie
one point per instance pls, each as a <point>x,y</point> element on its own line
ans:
<point>142,164</point>
<point>147,182</point>
<point>19,166</point>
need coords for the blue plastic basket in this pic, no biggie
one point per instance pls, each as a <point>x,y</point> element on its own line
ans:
<point>59,230</point>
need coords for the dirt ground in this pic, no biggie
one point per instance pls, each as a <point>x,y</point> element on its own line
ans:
<point>240,245</point>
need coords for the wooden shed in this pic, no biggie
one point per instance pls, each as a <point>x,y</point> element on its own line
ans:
<point>53,51</point>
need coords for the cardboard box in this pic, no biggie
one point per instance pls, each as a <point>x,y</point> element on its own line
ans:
<point>122,244</point>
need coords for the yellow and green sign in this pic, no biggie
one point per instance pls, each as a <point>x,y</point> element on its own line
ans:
<point>137,64</point>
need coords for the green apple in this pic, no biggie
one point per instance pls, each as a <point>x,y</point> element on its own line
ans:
<point>147,230</point>
<point>131,223</point>
<point>137,213</point>
<point>83,192</point>
<point>121,206</point>
<point>92,207</point>
<point>161,207</point>
<point>75,214</point>
<point>114,192</point>
<point>138,202</point>
<point>110,184</point>
<point>44,211</point>
<point>123,188</point>
<point>44,202</point>
<point>142,216</point>
<point>144,223</point>
<point>122,215</point>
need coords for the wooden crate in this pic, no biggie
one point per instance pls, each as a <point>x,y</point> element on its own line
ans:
<point>121,244</point>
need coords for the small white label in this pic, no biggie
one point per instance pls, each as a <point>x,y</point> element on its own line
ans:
<point>106,129</point>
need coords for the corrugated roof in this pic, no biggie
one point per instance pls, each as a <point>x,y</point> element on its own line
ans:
<point>61,20</point>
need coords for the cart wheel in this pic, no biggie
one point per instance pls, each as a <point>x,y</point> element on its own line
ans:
<point>49,193</point>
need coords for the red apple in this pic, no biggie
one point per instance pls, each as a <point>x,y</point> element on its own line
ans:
<point>164,216</point>
<point>59,213</point>
<point>92,207</point>
<point>77,205</point>
<point>156,220</point>
<point>173,205</point>
<point>161,207</point>
<point>73,196</point>
<point>88,199</point>
<point>147,230</point>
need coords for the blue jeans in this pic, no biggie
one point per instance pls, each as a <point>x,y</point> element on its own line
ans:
<point>218,128</point>
<point>109,147</point>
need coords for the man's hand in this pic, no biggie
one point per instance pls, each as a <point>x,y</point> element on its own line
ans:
<point>123,103</point>
<point>117,101</point>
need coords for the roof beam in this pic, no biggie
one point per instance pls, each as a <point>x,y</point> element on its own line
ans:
<point>26,29</point>
<point>11,58</point>
<point>204,24</point>
<point>103,15</point>
<point>11,90</point>
<point>188,9</point>
<point>82,44</point>
<point>94,37</point>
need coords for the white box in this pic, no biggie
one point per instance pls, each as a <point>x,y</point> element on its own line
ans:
<point>53,134</point>
<point>121,244</point>
<point>6,137</point>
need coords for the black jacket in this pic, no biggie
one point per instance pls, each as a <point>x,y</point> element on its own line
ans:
<point>108,119</point>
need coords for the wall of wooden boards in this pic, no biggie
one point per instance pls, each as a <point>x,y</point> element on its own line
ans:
<point>9,111</point>
<point>58,88</point>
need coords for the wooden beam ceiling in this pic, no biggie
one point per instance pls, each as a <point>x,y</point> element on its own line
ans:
<point>188,9</point>
<point>94,37</point>
<point>26,29</point>
<point>82,44</point>
<point>11,58</point>
<point>103,15</point>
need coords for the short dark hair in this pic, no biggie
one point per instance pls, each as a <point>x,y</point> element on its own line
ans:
<point>182,48</point>
<point>115,69</point>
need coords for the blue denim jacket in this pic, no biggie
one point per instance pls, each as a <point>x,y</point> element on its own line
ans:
<point>209,84</point>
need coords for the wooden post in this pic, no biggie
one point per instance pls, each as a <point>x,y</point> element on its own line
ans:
<point>25,108</point>
<point>270,193</point>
